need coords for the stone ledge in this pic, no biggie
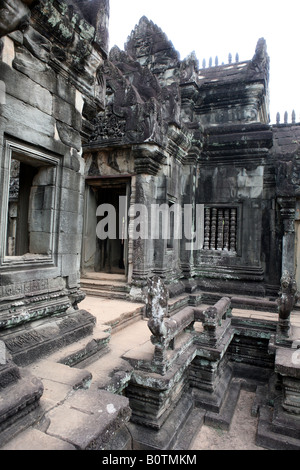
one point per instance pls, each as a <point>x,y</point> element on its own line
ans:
<point>89,419</point>
<point>18,404</point>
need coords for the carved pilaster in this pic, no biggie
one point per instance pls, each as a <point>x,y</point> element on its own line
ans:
<point>287,212</point>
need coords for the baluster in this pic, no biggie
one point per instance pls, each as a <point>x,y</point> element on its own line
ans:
<point>226,229</point>
<point>220,236</point>
<point>213,233</point>
<point>233,214</point>
<point>207,229</point>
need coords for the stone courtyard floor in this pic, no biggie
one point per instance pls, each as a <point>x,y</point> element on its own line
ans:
<point>241,435</point>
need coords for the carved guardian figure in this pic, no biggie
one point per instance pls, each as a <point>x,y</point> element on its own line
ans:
<point>287,300</point>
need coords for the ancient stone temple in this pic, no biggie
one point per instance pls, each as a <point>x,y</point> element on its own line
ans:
<point>168,181</point>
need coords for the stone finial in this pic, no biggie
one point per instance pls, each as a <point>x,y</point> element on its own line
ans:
<point>237,58</point>
<point>285,117</point>
<point>278,118</point>
<point>229,58</point>
<point>293,117</point>
<point>203,63</point>
<point>260,63</point>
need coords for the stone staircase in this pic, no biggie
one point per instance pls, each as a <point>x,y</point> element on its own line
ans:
<point>111,286</point>
<point>74,389</point>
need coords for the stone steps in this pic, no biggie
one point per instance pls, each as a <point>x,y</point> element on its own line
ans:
<point>183,300</point>
<point>107,288</point>
<point>74,412</point>
<point>85,350</point>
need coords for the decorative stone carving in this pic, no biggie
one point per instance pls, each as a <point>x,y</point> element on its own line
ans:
<point>157,306</point>
<point>286,302</point>
<point>13,15</point>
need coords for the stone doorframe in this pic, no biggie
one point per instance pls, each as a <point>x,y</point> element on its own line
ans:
<point>96,182</point>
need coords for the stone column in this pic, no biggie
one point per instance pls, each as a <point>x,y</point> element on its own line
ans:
<point>287,211</point>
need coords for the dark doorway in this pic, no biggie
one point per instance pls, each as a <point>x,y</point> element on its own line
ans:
<point>102,254</point>
<point>111,253</point>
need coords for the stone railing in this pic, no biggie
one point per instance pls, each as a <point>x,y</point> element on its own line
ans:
<point>212,318</point>
<point>171,336</point>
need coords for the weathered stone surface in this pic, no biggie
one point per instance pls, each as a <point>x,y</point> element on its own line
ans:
<point>53,333</point>
<point>286,302</point>
<point>13,14</point>
<point>156,130</point>
<point>33,439</point>
<point>89,419</point>
<point>18,399</point>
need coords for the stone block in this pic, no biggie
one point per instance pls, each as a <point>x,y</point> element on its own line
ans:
<point>50,333</point>
<point>40,221</point>
<point>66,113</point>
<point>35,69</point>
<point>164,438</point>
<point>287,362</point>
<point>2,353</point>
<point>42,198</point>
<point>70,222</point>
<point>70,200</point>
<point>9,373</point>
<point>46,176</point>
<point>18,399</point>
<point>25,121</point>
<point>68,135</point>
<point>70,245</point>
<point>33,439</point>
<point>37,44</point>
<point>71,179</point>
<point>8,52</point>
<point>40,242</point>
<point>25,89</point>
<point>89,419</point>
<point>69,263</point>
<point>65,90</point>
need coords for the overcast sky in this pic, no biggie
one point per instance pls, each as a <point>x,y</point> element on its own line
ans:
<point>219,27</point>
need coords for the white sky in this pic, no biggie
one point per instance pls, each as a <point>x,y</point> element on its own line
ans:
<point>219,27</point>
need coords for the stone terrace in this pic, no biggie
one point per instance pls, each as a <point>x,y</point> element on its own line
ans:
<point>65,419</point>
